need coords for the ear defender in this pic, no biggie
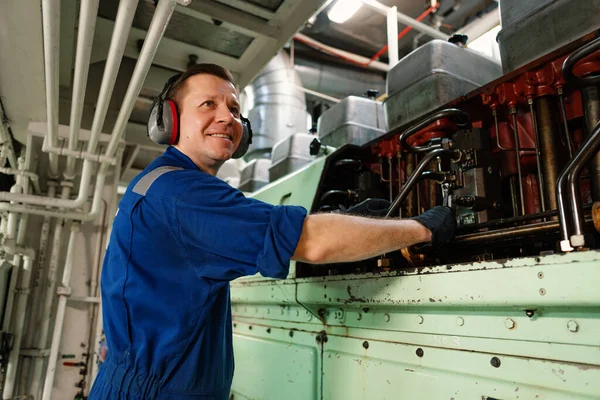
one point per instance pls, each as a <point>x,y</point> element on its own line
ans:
<point>163,122</point>
<point>246,138</point>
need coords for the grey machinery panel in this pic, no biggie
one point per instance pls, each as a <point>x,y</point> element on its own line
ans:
<point>354,120</point>
<point>290,154</point>
<point>255,175</point>
<point>431,76</point>
<point>532,29</point>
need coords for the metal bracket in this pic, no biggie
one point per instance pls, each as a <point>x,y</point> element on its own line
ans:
<point>63,291</point>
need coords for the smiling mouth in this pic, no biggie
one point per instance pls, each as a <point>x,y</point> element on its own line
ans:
<point>222,136</point>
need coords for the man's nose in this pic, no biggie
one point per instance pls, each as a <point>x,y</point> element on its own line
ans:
<point>224,114</point>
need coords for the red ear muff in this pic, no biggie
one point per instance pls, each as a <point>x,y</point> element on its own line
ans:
<point>163,122</point>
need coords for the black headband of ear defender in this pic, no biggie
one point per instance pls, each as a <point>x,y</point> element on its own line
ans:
<point>163,122</point>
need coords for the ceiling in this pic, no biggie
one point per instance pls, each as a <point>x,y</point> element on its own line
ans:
<point>241,35</point>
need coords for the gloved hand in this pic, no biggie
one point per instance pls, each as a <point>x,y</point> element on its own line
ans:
<point>440,221</point>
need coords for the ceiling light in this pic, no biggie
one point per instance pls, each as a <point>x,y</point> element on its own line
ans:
<point>343,10</point>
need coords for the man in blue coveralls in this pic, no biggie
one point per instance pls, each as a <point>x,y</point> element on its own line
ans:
<point>181,235</point>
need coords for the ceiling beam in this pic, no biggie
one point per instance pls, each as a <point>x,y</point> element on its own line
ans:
<point>249,8</point>
<point>232,18</point>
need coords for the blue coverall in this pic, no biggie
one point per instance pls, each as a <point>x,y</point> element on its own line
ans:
<point>179,236</point>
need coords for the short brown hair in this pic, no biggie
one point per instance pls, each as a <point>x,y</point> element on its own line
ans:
<point>177,89</point>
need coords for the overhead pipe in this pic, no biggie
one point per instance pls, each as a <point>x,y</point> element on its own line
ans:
<point>160,20</point>
<point>6,150</point>
<point>406,20</point>
<point>51,23</point>
<point>63,293</point>
<point>568,193</point>
<point>85,36</point>
<point>118,42</point>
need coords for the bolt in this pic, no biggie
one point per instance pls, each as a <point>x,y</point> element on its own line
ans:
<point>268,330</point>
<point>460,321</point>
<point>572,325</point>
<point>490,170</point>
<point>359,316</point>
<point>495,361</point>
<point>386,317</point>
<point>297,313</point>
<point>420,319</point>
<point>542,291</point>
<point>420,352</point>
<point>291,333</point>
<point>366,344</point>
<point>530,313</point>
<point>541,275</point>
<point>509,323</point>
<point>322,312</point>
<point>250,327</point>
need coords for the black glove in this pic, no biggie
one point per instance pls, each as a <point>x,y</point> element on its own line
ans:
<point>440,221</point>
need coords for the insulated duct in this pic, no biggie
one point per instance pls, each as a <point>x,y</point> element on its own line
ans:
<point>279,106</point>
<point>336,80</point>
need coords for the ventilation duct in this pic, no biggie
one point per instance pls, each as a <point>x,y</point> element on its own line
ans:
<point>278,109</point>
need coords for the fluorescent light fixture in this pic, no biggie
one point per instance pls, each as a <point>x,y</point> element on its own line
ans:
<point>343,10</point>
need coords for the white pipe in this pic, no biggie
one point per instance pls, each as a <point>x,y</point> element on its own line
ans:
<point>406,20</point>
<point>367,62</point>
<point>319,94</point>
<point>82,196</point>
<point>33,177</point>
<point>37,292</point>
<point>77,154</point>
<point>392,35</point>
<point>93,293</point>
<point>60,313</point>
<point>48,300</point>
<point>79,216</point>
<point>5,143</point>
<point>118,42</point>
<point>85,36</point>
<point>157,28</point>
<point>23,291</point>
<point>51,23</point>
<point>27,254</point>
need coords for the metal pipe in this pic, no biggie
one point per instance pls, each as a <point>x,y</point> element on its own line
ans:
<point>37,291</point>
<point>509,233</point>
<point>588,151</point>
<point>460,117</point>
<point>48,298</point>
<point>538,161</point>
<point>85,36</point>
<point>64,292</point>
<point>567,192</point>
<point>160,20</point>
<point>565,124</point>
<point>33,177</point>
<point>6,149</point>
<point>390,180</point>
<point>23,291</point>
<point>590,100</point>
<point>392,35</point>
<point>416,175</point>
<point>406,20</point>
<point>574,58</point>
<point>549,150</point>
<point>51,22</point>
<point>411,208</point>
<point>120,34</point>
<point>27,254</point>
<point>513,112</point>
<point>364,61</point>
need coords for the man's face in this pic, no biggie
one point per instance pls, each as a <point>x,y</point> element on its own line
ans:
<point>210,124</point>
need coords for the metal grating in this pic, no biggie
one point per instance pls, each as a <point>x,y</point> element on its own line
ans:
<point>185,29</point>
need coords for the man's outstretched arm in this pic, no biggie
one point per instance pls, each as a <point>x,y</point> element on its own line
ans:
<point>328,238</point>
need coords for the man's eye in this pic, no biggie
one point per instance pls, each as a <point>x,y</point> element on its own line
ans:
<point>208,103</point>
<point>235,111</point>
